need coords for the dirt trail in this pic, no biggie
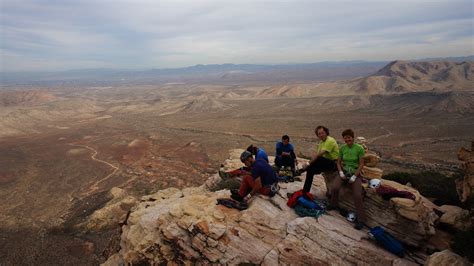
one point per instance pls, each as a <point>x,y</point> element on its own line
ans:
<point>95,185</point>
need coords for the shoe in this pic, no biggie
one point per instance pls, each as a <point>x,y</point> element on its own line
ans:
<point>236,197</point>
<point>359,225</point>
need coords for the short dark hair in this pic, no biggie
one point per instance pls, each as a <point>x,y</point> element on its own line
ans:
<point>245,155</point>
<point>252,148</point>
<point>285,137</point>
<point>324,128</point>
<point>348,132</point>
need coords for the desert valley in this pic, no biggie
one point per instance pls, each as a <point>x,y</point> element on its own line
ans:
<point>64,146</point>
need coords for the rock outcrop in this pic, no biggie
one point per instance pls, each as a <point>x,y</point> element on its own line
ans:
<point>410,221</point>
<point>456,217</point>
<point>446,257</point>
<point>465,186</point>
<point>186,226</point>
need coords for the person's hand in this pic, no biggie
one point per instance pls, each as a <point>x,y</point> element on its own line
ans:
<point>342,175</point>
<point>352,179</point>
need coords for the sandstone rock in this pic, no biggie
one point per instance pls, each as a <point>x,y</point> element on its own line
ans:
<point>114,213</point>
<point>185,227</point>
<point>465,186</point>
<point>410,221</point>
<point>455,217</point>
<point>446,257</point>
<point>371,159</point>
<point>371,172</point>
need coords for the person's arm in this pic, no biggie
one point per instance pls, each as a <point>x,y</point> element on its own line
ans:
<point>278,150</point>
<point>256,188</point>
<point>339,167</point>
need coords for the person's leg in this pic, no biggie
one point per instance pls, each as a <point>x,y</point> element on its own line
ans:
<point>311,170</point>
<point>335,187</point>
<point>246,185</point>
<point>278,161</point>
<point>317,167</point>
<point>357,194</point>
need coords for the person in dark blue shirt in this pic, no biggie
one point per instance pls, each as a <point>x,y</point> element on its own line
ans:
<point>258,152</point>
<point>263,179</point>
<point>285,154</point>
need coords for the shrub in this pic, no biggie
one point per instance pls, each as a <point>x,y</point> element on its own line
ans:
<point>463,243</point>
<point>430,184</point>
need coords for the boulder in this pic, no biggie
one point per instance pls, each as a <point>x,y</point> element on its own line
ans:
<point>456,217</point>
<point>446,257</point>
<point>187,227</point>
<point>410,221</point>
<point>465,185</point>
<point>113,213</point>
<point>371,172</point>
<point>371,159</point>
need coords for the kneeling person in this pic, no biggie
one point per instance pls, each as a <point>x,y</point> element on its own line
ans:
<point>263,179</point>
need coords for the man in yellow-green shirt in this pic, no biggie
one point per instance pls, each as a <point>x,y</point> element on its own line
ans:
<point>325,158</point>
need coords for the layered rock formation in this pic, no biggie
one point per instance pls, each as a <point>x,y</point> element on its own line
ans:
<point>465,186</point>
<point>410,221</point>
<point>186,226</point>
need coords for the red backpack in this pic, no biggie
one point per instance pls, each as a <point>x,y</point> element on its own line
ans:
<point>294,197</point>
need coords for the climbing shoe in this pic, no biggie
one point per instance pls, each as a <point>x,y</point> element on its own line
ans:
<point>234,194</point>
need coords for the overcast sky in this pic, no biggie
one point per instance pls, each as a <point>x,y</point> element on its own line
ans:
<point>63,34</point>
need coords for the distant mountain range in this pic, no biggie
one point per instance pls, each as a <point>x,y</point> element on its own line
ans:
<point>216,73</point>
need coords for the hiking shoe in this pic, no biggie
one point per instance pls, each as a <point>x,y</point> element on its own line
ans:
<point>359,225</point>
<point>237,197</point>
<point>234,192</point>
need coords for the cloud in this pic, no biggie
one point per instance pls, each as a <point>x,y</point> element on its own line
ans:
<point>155,34</point>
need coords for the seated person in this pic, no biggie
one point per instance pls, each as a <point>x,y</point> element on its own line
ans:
<point>263,179</point>
<point>259,153</point>
<point>285,154</point>
<point>350,164</point>
<point>325,158</point>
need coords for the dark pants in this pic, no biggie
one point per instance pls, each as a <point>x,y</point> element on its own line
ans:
<point>317,167</point>
<point>285,161</point>
<point>356,192</point>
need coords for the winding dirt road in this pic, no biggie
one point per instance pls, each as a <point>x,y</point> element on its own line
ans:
<point>95,186</point>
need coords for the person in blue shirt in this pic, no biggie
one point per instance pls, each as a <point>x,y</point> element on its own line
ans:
<point>258,152</point>
<point>285,154</point>
<point>262,180</point>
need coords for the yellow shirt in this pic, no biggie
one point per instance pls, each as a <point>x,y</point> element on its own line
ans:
<point>329,145</point>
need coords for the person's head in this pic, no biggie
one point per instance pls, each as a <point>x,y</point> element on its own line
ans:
<point>246,158</point>
<point>252,149</point>
<point>285,139</point>
<point>322,132</point>
<point>348,136</point>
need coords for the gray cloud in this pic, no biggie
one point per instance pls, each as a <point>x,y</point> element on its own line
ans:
<point>56,35</point>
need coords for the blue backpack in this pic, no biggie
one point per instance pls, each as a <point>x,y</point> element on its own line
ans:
<point>387,241</point>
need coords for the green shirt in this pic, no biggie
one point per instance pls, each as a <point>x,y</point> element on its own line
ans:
<point>329,145</point>
<point>350,157</point>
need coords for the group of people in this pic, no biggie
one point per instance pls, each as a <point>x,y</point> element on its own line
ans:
<point>347,160</point>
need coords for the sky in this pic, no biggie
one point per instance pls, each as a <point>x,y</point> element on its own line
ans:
<point>53,35</point>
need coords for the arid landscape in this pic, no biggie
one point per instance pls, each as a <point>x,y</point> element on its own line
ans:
<point>63,147</point>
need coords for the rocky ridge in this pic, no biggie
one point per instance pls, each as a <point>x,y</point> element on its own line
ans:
<point>186,226</point>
